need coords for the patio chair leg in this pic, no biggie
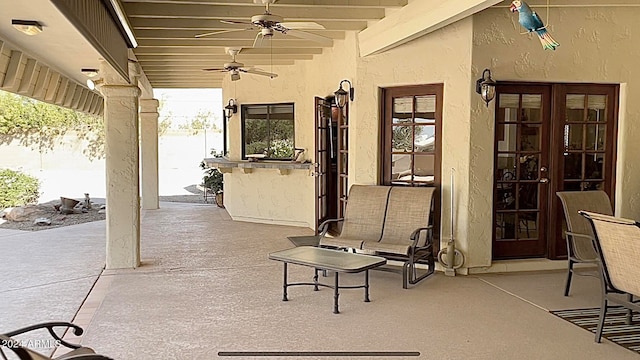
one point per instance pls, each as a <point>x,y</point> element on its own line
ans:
<point>405,275</point>
<point>569,275</point>
<point>603,313</point>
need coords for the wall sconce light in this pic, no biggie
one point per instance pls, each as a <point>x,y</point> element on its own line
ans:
<point>91,84</point>
<point>341,94</point>
<point>29,27</point>
<point>486,87</point>
<point>89,72</point>
<point>231,108</point>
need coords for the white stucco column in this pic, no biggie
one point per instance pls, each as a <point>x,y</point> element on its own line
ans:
<point>149,152</point>
<point>122,170</point>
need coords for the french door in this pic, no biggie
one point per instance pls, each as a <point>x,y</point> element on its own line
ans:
<point>324,153</point>
<point>548,138</point>
<point>522,169</point>
<point>331,160</point>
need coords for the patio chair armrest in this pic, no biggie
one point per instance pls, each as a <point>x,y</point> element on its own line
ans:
<point>77,330</point>
<point>415,235</point>
<point>324,227</point>
<point>577,235</point>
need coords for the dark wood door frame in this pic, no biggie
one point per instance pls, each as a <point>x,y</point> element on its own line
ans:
<point>556,246</point>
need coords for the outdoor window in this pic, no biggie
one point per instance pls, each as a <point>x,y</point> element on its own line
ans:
<point>411,141</point>
<point>411,135</point>
<point>268,130</point>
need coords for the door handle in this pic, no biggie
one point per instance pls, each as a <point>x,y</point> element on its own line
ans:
<point>544,180</point>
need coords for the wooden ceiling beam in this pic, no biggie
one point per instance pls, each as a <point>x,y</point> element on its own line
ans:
<point>232,12</point>
<point>287,3</point>
<point>212,25</point>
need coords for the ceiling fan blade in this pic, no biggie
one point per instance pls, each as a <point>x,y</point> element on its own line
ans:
<point>233,22</point>
<point>259,72</point>
<point>310,36</point>
<point>301,25</point>
<point>215,69</point>
<point>219,32</point>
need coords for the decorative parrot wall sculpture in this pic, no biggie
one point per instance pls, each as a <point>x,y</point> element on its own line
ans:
<point>532,22</point>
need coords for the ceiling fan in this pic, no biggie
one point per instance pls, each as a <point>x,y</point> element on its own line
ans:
<point>235,68</point>
<point>269,23</point>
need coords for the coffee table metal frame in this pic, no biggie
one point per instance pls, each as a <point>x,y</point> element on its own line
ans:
<point>336,261</point>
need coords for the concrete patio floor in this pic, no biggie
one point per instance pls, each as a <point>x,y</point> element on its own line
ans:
<point>207,286</point>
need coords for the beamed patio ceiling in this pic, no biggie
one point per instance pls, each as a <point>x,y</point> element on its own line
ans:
<point>172,57</point>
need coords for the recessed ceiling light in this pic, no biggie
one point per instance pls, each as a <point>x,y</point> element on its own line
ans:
<point>29,27</point>
<point>90,72</point>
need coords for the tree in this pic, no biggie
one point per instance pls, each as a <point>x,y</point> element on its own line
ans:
<point>165,122</point>
<point>164,125</point>
<point>203,120</point>
<point>40,125</point>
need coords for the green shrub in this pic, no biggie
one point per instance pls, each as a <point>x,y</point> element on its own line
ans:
<point>17,189</point>
<point>212,179</point>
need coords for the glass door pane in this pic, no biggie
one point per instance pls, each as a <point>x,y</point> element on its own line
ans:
<point>585,141</point>
<point>413,140</point>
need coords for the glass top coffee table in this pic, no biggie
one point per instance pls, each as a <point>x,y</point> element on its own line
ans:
<point>326,259</point>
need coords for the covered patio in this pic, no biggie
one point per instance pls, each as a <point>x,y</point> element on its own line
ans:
<point>206,286</point>
<point>188,282</point>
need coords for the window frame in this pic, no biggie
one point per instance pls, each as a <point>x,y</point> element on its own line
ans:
<point>243,111</point>
<point>386,133</point>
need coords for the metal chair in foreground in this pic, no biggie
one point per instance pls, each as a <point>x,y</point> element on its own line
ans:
<point>21,349</point>
<point>579,234</point>
<point>617,243</point>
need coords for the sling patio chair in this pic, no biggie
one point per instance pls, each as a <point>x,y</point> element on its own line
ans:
<point>617,244</point>
<point>17,347</point>
<point>579,234</point>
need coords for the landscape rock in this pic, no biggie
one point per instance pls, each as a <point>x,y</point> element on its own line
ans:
<point>42,221</point>
<point>22,213</point>
<point>103,211</point>
<point>47,211</point>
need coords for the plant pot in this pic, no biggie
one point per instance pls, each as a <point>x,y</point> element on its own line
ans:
<point>220,199</point>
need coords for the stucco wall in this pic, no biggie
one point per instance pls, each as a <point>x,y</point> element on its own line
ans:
<point>597,45</point>
<point>441,57</point>
<point>265,195</point>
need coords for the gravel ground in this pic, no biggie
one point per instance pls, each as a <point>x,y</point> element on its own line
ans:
<point>47,210</point>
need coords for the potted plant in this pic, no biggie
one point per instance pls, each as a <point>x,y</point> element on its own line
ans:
<point>213,181</point>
